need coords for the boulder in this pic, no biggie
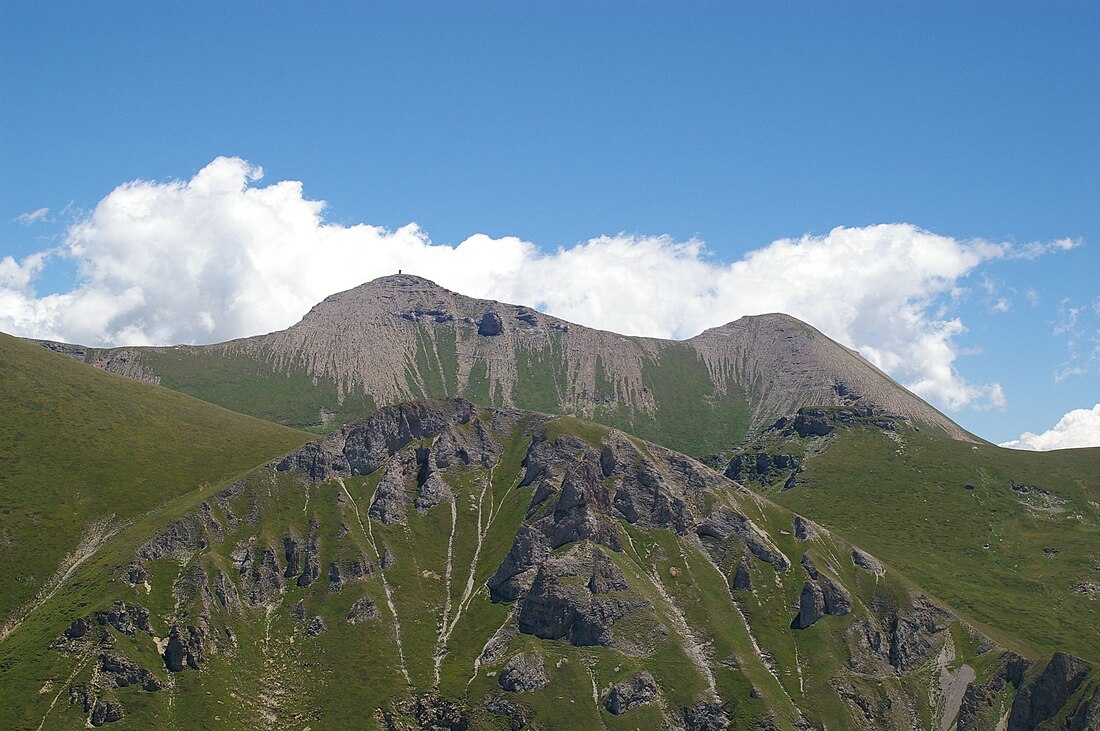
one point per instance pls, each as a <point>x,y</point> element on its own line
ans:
<point>490,324</point>
<point>523,673</point>
<point>811,606</point>
<point>316,627</point>
<point>637,690</point>
<point>363,610</point>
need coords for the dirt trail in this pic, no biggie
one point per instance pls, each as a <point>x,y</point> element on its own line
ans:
<point>98,533</point>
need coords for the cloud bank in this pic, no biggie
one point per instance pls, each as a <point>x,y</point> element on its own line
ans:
<point>1078,428</point>
<point>220,256</point>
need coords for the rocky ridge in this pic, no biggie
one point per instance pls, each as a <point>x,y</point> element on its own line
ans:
<point>614,542</point>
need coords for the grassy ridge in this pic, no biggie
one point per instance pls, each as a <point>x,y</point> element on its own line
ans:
<point>944,512</point>
<point>82,452</point>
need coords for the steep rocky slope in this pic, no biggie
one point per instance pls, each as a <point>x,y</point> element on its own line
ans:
<point>443,565</point>
<point>403,337</point>
<point>1011,536</point>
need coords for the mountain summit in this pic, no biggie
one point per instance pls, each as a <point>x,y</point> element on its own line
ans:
<point>403,337</point>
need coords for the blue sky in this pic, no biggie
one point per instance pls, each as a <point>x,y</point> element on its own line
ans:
<point>556,123</point>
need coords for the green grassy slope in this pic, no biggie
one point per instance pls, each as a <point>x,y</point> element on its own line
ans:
<point>946,514</point>
<point>691,416</point>
<point>83,453</point>
<point>273,674</point>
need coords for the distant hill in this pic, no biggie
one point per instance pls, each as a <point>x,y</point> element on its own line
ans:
<point>403,337</point>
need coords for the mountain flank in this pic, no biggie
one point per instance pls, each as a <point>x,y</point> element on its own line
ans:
<point>403,337</point>
<point>442,565</point>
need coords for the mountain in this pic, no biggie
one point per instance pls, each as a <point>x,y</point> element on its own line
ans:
<point>449,566</point>
<point>457,551</point>
<point>402,337</point>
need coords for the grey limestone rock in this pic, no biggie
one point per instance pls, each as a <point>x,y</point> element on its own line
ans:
<point>637,690</point>
<point>390,498</point>
<point>724,522</point>
<point>811,605</point>
<point>184,649</point>
<point>123,672</point>
<point>105,711</point>
<point>316,627</point>
<point>804,530</point>
<point>135,572</point>
<point>523,673</point>
<point>705,716</point>
<point>431,489</point>
<point>490,324</point>
<point>261,577</point>
<point>867,562</point>
<point>742,579</point>
<point>577,597</point>
<point>913,632</point>
<point>1044,694</point>
<point>363,610</point>
<point>342,573</point>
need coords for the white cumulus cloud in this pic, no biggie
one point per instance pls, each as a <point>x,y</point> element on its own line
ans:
<point>1078,428</point>
<point>221,256</point>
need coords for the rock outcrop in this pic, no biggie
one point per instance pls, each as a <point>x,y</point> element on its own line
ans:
<point>637,690</point>
<point>523,673</point>
<point>184,648</point>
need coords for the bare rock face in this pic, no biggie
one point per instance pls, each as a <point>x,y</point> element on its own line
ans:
<point>361,448</point>
<point>637,690</point>
<point>425,711</point>
<point>742,579</point>
<point>724,522</point>
<point>390,498</point>
<point>342,573</point>
<point>185,648</point>
<point>811,605</point>
<point>1044,694</point>
<point>135,572</point>
<point>490,325</point>
<point>867,562</point>
<point>431,489</point>
<point>261,577</point>
<point>805,530</point>
<point>523,673</point>
<point>821,595</point>
<point>578,596</point>
<point>316,627</point>
<point>517,571</point>
<point>105,711</point>
<point>122,672</point>
<point>913,631</point>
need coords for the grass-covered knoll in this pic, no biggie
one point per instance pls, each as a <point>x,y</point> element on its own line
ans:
<point>83,453</point>
<point>1010,538</point>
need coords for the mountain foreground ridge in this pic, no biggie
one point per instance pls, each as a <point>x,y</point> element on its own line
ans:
<point>442,565</point>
